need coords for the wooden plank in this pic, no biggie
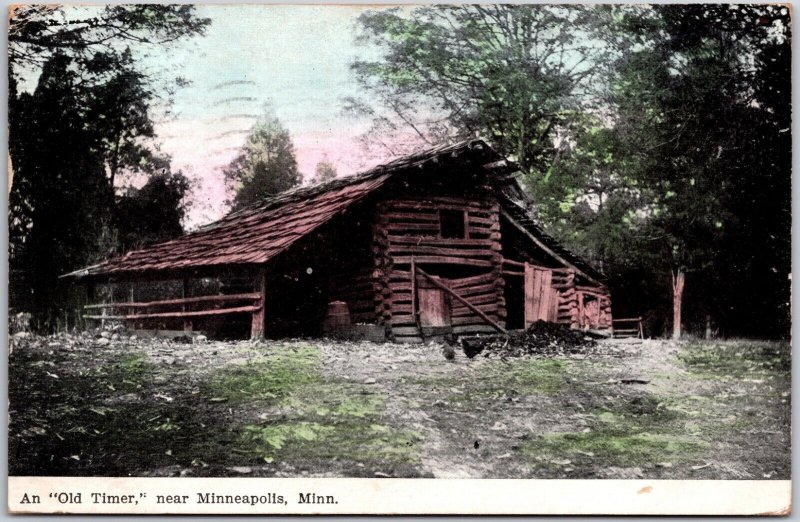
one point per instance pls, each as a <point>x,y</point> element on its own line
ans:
<point>472,280</point>
<point>435,241</point>
<point>514,263</point>
<point>477,290</point>
<point>544,294</point>
<point>552,313</point>
<point>490,308</point>
<point>201,299</point>
<point>433,307</point>
<point>395,250</point>
<point>480,222</point>
<point>402,217</point>
<point>479,299</point>
<point>470,320</point>
<point>416,227</point>
<point>195,313</point>
<point>444,260</point>
<point>258,321</point>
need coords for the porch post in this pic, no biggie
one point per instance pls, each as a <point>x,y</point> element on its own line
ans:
<point>259,316</point>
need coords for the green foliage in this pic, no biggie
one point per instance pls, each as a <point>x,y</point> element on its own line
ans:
<point>87,121</point>
<point>513,73</point>
<point>354,441</point>
<point>737,359</point>
<point>266,164</point>
<point>37,32</point>
<point>652,139</point>
<point>614,448</point>
<point>282,374</point>
<point>152,213</point>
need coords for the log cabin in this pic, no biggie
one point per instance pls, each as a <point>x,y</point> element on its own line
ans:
<point>437,243</point>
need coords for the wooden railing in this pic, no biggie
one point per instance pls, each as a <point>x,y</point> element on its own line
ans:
<point>636,330</point>
<point>135,311</point>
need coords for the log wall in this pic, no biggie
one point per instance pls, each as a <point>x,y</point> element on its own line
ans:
<point>469,265</point>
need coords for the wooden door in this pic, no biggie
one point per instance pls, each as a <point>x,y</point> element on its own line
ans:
<point>434,306</point>
<point>541,299</point>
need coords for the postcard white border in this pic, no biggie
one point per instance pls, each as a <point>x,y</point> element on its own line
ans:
<point>406,496</point>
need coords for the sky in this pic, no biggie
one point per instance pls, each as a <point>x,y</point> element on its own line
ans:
<point>295,58</point>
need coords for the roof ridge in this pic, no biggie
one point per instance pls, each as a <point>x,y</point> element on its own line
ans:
<point>299,193</point>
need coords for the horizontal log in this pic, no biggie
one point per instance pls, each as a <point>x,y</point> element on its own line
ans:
<point>195,313</point>
<point>626,330</point>
<point>463,311</point>
<point>444,260</point>
<point>478,290</point>
<point>464,282</point>
<point>509,273</point>
<point>438,241</point>
<point>514,263</point>
<point>481,222</point>
<point>473,319</point>
<point>397,250</point>
<point>417,227</point>
<point>402,217</point>
<point>477,300</point>
<point>627,319</point>
<point>185,300</point>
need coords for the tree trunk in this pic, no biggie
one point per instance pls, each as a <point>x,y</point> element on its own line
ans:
<point>708,327</point>
<point>678,281</point>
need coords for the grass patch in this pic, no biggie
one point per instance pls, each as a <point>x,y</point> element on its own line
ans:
<point>716,360</point>
<point>334,399</point>
<point>614,448</point>
<point>278,376</point>
<point>622,431</point>
<point>350,440</point>
<point>318,419</point>
<point>524,376</point>
<point>332,421</point>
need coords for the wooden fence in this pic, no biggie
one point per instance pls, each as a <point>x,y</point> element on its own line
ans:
<point>185,308</point>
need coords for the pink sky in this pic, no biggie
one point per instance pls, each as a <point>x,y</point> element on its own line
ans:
<point>294,58</point>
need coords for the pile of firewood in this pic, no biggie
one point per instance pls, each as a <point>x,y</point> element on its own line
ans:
<point>541,338</point>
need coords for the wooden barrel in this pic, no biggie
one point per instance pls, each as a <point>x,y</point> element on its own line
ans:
<point>338,315</point>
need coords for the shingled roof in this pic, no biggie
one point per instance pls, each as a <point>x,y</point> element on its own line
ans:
<point>256,234</point>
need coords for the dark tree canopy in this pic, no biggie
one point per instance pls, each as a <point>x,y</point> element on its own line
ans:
<point>36,32</point>
<point>266,164</point>
<point>512,73</point>
<point>88,120</point>
<point>152,213</point>
<point>655,140</point>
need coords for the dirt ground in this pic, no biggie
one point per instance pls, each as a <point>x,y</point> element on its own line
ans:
<point>87,405</point>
